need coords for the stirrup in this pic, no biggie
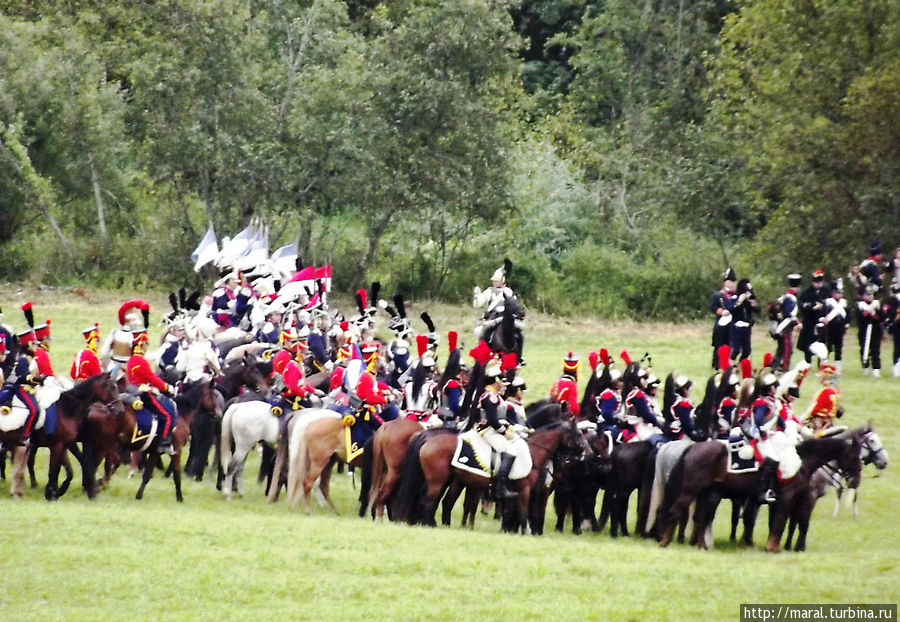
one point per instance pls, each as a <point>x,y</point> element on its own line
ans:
<point>768,497</point>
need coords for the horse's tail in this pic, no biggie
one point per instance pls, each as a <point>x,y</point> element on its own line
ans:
<point>672,490</point>
<point>412,483</point>
<point>226,444</point>
<point>645,506</point>
<point>365,477</point>
<point>297,465</point>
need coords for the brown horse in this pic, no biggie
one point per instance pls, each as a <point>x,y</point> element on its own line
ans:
<point>72,408</point>
<point>315,437</point>
<point>428,471</point>
<point>702,474</point>
<point>383,465</point>
<point>200,396</point>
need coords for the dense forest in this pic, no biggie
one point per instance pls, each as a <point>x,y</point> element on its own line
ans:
<point>621,152</point>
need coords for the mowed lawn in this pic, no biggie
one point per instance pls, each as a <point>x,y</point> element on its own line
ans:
<point>116,558</point>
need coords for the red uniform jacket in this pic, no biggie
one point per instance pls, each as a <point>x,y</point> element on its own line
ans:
<point>368,390</point>
<point>85,365</point>
<point>138,372</point>
<point>42,358</point>
<point>566,390</point>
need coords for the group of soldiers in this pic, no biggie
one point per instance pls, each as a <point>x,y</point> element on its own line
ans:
<point>318,355</point>
<point>818,315</point>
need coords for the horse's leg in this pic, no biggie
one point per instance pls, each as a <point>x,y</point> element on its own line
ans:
<point>470,505</point>
<point>751,511</point>
<point>134,464</point>
<point>147,473</point>
<point>778,515</point>
<point>4,455</point>
<point>57,451</point>
<point>325,484</point>
<point>31,477</point>
<point>792,526</point>
<point>736,505</point>
<point>453,491</point>
<point>175,467</point>
<point>605,511</point>
<point>19,460</point>
<point>524,504</point>
<point>683,523</point>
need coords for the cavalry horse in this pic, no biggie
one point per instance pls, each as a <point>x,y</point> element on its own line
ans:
<point>428,472</point>
<point>72,408</point>
<point>243,426</point>
<point>199,396</point>
<point>832,474</point>
<point>382,465</point>
<point>702,475</point>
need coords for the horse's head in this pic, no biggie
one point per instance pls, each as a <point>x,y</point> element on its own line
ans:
<point>599,447</point>
<point>873,452</point>
<point>106,391</point>
<point>574,441</point>
<point>850,461</point>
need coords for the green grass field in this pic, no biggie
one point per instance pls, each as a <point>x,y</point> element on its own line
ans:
<point>116,558</point>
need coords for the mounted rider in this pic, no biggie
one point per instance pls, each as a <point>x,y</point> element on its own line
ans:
<point>825,405</point>
<point>677,407</point>
<point>42,351</point>
<point>200,359</point>
<point>515,396</point>
<point>118,346</point>
<point>496,429</point>
<point>565,390</point>
<point>86,364</point>
<point>454,377</point>
<point>644,424</point>
<point>287,370</point>
<point>156,394</point>
<point>609,402</point>
<point>22,381</point>
<point>421,395</point>
<point>494,300</point>
<point>320,347</point>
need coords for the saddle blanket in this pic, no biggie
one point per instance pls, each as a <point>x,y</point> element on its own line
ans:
<point>19,413</point>
<point>475,455</point>
<point>741,458</point>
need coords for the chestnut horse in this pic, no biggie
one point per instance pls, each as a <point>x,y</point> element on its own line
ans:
<point>702,474</point>
<point>199,396</point>
<point>428,471</point>
<point>382,465</point>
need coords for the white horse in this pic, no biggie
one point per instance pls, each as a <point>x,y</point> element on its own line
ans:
<point>873,452</point>
<point>243,426</point>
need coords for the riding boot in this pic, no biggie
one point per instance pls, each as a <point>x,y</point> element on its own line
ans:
<point>502,490</point>
<point>766,489</point>
<point>165,445</point>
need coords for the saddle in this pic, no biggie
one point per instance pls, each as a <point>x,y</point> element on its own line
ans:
<point>741,457</point>
<point>475,455</point>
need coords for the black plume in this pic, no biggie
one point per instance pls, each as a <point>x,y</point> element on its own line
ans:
<point>182,297</point>
<point>374,292</point>
<point>359,304</point>
<point>309,292</point>
<point>173,301</point>
<point>507,267</point>
<point>192,301</point>
<point>146,313</point>
<point>391,311</point>
<point>277,284</point>
<point>401,305</point>
<point>298,263</point>
<point>427,319</point>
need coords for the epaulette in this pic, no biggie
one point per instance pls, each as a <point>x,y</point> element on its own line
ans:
<point>453,383</point>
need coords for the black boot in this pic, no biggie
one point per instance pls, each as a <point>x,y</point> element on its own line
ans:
<point>165,445</point>
<point>766,489</point>
<point>501,484</point>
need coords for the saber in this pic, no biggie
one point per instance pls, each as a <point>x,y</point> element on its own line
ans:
<point>865,352</point>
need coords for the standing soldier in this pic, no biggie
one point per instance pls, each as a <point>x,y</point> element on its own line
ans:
<point>784,322</point>
<point>745,306</point>
<point>722,306</point>
<point>812,308</point>
<point>86,364</point>
<point>835,323</point>
<point>565,390</point>
<point>892,311</point>
<point>869,319</point>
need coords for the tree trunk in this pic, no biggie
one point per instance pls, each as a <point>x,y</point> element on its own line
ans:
<point>98,196</point>
<point>375,235</point>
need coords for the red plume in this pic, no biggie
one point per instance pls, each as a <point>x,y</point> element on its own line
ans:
<point>452,340</point>
<point>421,344</point>
<point>126,306</point>
<point>362,296</point>
<point>604,356</point>
<point>746,369</point>
<point>625,357</point>
<point>768,357</point>
<point>508,361</point>
<point>29,314</point>
<point>723,353</point>
<point>593,359</point>
<point>481,353</point>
